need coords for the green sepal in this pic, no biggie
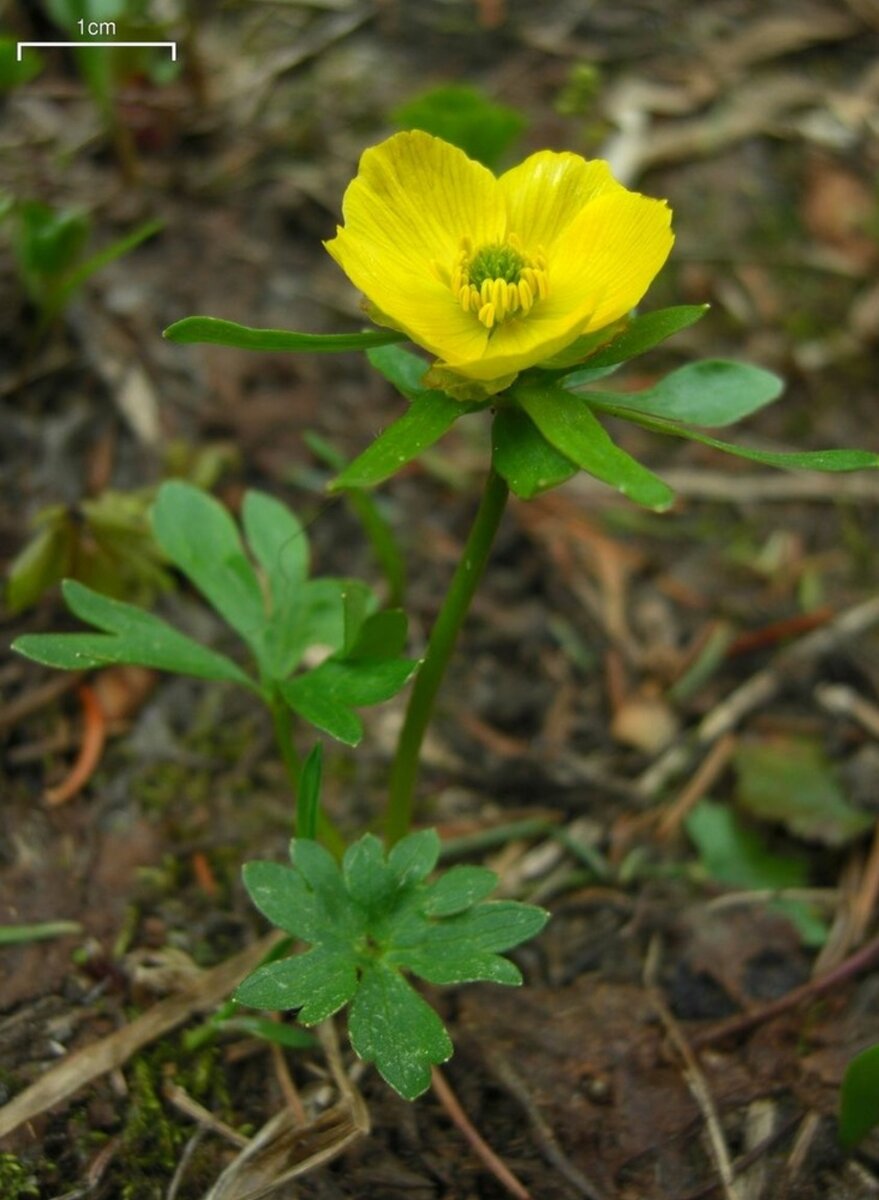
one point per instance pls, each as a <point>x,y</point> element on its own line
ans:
<point>216,332</point>
<point>524,458</point>
<point>569,425</point>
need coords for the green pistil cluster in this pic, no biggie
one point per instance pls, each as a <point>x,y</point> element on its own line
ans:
<point>497,261</point>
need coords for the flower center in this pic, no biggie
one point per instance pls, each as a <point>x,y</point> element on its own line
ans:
<point>499,280</point>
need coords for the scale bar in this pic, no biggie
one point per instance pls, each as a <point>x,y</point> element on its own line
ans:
<point>21,46</point>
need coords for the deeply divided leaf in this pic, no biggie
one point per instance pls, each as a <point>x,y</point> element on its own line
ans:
<point>368,922</point>
<point>201,539</point>
<point>132,637</point>
<point>390,1025</point>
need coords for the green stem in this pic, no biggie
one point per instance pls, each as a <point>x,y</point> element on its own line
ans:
<point>284,738</point>
<point>439,650</point>
<point>326,830</point>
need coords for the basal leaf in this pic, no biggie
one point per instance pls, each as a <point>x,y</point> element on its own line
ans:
<point>859,1098</point>
<point>318,983</point>
<point>282,895</point>
<point>227,333</point>
<point>373,917</point>
<point>567,422</point>
<point>425,422</point>
<point>458,889</point>
<point>791,780</point>
<point>414,856</point>
<point>492,926</point>
<point>468,965</point>
<point>390,1025</point>
<point>201,539</point>
<point>524,458</point>
<point>368,877</point>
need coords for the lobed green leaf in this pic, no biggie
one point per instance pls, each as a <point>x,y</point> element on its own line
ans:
<point>201,539</point>
<point>318,983</point>
<point>280,546</point>
<point>132,637</point>
<point>414,856</point>
<point>283,896</point>
<point>458,889</point>
<point>326,695</point>
<point>389,1024</point>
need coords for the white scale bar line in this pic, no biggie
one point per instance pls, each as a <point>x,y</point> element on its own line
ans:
<point>21,45</point>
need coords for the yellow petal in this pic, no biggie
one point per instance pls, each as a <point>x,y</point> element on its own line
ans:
<point>608,256</point>
<point>547,191</point>
<point>412,201</point>
<point>598,270</point>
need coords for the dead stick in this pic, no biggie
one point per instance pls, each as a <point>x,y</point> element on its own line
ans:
<point>864,958</point>
<point>451,1104</point>
<point>111,1052</point>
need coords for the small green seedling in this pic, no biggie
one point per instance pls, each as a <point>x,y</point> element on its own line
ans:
<point>370,921</point>
<point>14,70</point>
<point>49,245</point>
<point>104,542</point>
<point>280,614</point>
<point>859,1098</point>
<point>465,117</point>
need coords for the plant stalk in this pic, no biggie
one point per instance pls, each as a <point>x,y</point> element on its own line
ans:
<point>326,830</point>
<point>439,650</point>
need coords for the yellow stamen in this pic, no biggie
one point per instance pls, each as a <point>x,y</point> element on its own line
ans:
<point>499,280</point>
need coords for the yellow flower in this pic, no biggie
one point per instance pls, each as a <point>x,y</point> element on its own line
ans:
<point>494,275</point>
